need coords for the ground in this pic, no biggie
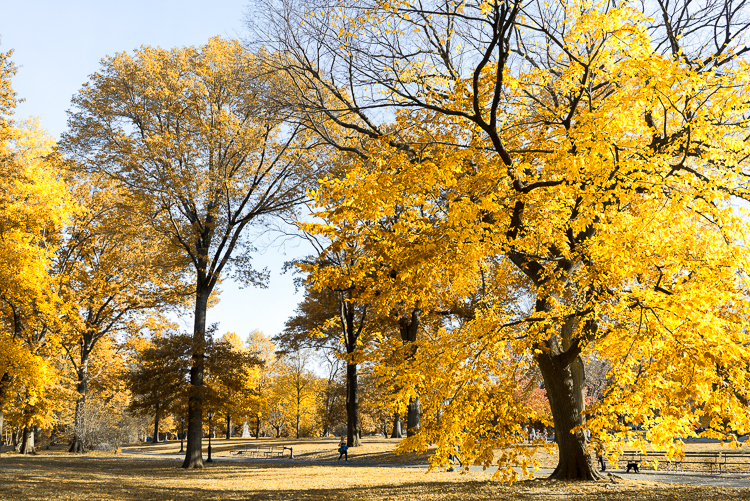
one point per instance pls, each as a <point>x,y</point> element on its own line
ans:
<point>374,474</point>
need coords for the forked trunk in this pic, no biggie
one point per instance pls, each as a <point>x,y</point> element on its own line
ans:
<point>564,385</point>
<point>352,407</point>
<point>193,451</point>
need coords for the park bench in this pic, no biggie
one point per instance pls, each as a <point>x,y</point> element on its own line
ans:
<point>254,451</point>
<point>734,461</point>
<point>714,461</point>
<point>251,451</point>
<point>274,452</point>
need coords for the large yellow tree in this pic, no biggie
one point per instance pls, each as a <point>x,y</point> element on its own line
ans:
<point>189,134</point>
<point>586,152</point>
<point>34,206</point>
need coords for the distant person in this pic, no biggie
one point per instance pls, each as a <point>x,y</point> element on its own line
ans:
<point>343,450</point>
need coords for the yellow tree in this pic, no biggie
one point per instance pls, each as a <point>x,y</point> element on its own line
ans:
<point>586,151</point>
<point>294,393</point>
<point>264,350</point>
<point>329,318</point>
<point>233,374</point>
<point>189,134</point>
<point>34,205</point>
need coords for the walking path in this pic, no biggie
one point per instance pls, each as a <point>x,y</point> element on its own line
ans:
<point>737,480</point>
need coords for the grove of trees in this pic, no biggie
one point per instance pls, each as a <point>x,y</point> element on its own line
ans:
<point>523,214</point>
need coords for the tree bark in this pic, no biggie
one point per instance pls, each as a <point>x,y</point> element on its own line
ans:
<point>27,443</point>
<point>564,385</point>
<point>257,427</point>
<point>396,433</point>
<point>229,426</point>
<point>413,417</point>
<point>408,327</point>
<point>193,451</point>
<point>352,407</point>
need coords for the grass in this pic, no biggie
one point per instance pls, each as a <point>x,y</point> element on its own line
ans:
<point>56,475</point>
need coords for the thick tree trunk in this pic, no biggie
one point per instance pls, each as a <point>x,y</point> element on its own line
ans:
<point>229,426</point>
<point>564,385</point>
<point>193,451</point>
<point>352,407</point>
<point>409,327</point>
<point>413,417</point>
<point>257,426</point>
<point>27,444</point>
<point>396,433</point>
<point>156,424</point>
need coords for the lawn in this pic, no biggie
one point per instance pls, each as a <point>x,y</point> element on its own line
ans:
<point>53,475</point>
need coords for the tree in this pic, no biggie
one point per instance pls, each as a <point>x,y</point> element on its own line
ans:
<point>34,206</point>
<point>188,133</point>
<point>158,381</point>
<point>329,317</point>
<point>587,150</point>
<point>111,271</point>
<point>264,350</point>
<point>232,380</point>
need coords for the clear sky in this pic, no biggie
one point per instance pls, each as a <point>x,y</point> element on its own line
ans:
<point>58,43</point>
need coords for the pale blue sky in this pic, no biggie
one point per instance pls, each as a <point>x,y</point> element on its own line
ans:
<point>59,43</point>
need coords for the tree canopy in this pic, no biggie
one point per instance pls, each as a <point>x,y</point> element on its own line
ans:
<point>574,168</point>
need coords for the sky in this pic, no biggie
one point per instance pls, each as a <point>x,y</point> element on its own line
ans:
<point>57,44</point>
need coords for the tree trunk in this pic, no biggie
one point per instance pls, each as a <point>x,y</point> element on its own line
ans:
<point>408,328</point>
<point>16,436</point>
<point>156,424</point>
<point>352,407</point>
<point>229,426</point>
<point>257,427</point>
<point>27,444</point>
<point>564,385</point>
<point>4,384</point>
<point>413,417</point>
<point>76,445</point>
<point>86,344</point>
<point>193,451</point>
<point>396,433</point>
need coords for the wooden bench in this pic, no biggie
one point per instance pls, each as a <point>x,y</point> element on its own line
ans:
<point>274,452</point>
<point>714,461</point>
<point>251,451</point>
<point>734,461</point>
<point>254,451</point>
